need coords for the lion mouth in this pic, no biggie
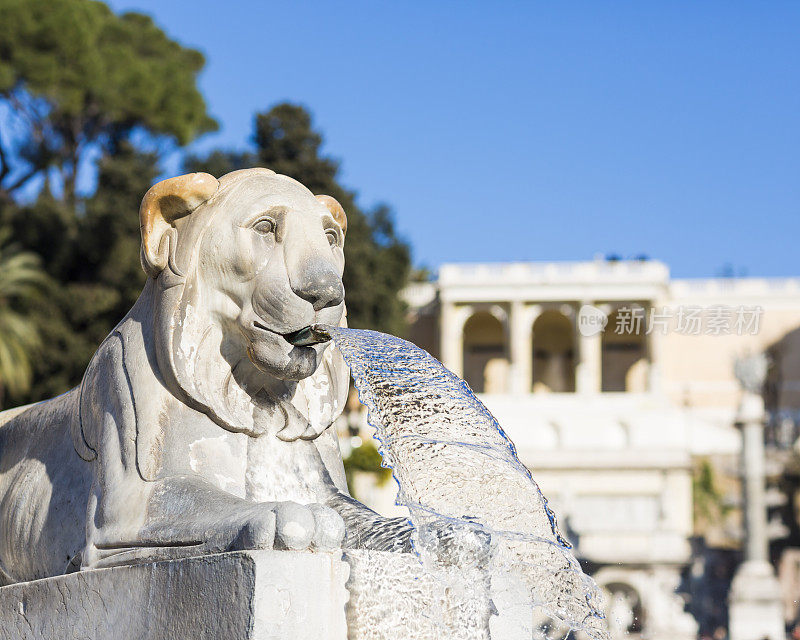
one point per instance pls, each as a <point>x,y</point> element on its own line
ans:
<point>305,337</point>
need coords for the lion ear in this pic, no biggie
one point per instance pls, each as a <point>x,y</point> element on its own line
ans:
<point>164,203</point>
<point>336,211</point>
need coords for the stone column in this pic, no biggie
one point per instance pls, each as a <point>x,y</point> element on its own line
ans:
<point>521,319</point>
<point>756,608</point>
<point>589,372</point>
<point>451,332</point>
<point>655,343</point>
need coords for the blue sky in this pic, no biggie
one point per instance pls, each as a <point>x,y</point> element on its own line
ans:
<point>533,131</point>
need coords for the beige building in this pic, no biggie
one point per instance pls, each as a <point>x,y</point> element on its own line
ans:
<point>613,380</point>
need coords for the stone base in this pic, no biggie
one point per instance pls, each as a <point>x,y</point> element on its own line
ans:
<point>259,595</point>
<point>756,605</point>
<point>253,595</point>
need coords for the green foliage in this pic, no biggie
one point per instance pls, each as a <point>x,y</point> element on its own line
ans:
<point>94,260</point>
<point>377,261</point>
<point>709,506</point>
<point>21,282</point>
<point>78,77</point>
<point>81,84</point>
<point>108,241</point>
<point>367,459</point>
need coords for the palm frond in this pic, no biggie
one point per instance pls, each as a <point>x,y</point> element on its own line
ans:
<point>21,280</point>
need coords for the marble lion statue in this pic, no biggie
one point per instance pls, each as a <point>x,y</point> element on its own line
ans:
<point>203,422</point>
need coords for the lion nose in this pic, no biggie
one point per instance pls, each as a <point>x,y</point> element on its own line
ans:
<point>322,287</point>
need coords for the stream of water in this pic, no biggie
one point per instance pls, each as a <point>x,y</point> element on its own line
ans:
<point>459,473</point>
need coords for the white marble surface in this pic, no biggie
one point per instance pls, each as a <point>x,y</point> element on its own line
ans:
<point>247,595</point>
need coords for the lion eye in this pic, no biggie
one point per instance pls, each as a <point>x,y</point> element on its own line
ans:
<point>333,237</point>
<point>264,226</point>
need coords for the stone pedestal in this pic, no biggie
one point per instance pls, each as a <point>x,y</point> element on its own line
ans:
<point>755,604</point>
<point>260,595</point>
<point>254,595</point>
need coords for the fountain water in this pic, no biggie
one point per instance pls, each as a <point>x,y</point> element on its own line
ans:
<point>472,502</point>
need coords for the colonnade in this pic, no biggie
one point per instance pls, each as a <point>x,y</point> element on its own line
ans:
<point>518,319</point>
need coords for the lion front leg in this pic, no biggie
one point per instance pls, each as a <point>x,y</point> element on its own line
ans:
<point>185,516</point>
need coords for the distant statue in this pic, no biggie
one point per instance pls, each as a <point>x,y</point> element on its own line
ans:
<point>751,371</point>
<point>203,422</point>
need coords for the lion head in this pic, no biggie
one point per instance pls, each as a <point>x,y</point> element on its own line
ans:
<point>241,266</point>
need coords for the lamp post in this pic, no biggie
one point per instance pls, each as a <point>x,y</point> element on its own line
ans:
<point>755,606</point>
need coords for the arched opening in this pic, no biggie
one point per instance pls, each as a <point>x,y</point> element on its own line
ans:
<point>624,611</point>
<point>485,354</point>
<point>553,353</point>
<point>624,348</point>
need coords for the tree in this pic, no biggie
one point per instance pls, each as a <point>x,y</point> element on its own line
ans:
<point>82,86</point>
<point>109,238</point>
<point>21,280</point>
<point>75,78</point>
<point>377,261</point>
<point>93,261</point>
<point>365,458</point>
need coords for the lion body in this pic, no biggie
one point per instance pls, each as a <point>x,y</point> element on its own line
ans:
<point>199,426</point>
<point>44,486</point>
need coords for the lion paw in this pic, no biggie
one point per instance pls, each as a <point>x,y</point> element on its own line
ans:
<point>293,526</point>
